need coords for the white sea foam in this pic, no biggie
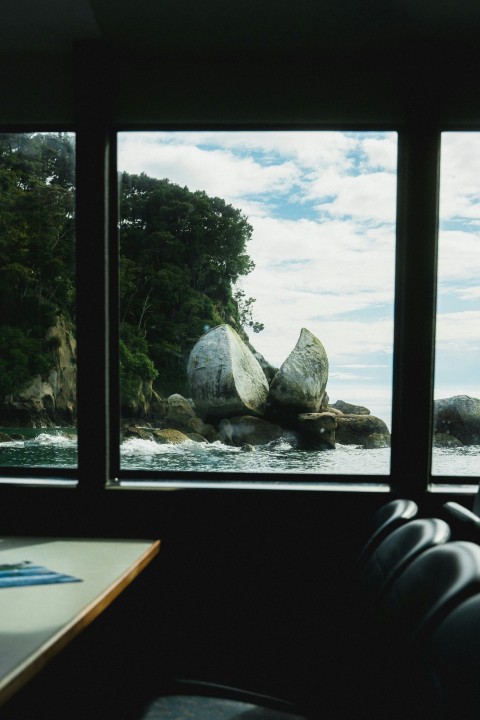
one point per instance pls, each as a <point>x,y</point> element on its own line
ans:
<point>54,439</point>
<point>54,448</point>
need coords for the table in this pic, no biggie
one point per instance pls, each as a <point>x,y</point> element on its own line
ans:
<point>37,621</point>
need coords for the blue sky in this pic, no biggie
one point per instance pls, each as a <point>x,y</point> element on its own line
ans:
<point>322,205</point>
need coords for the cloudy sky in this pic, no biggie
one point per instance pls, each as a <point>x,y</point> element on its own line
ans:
<point>322,205</point>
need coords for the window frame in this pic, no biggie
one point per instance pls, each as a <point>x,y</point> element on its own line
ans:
<point>97,239</point>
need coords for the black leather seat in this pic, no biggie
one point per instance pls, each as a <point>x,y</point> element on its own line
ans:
<point>389,517</point>
<point>396,552</point>
<point>419,588</point>
<point>418,602</point>
<point>432,585</point>
<point>452,664</point>
<point>200,707</point>
<point>385,564</point>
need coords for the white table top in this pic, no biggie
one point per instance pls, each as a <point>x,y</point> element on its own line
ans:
<point>37,621</point>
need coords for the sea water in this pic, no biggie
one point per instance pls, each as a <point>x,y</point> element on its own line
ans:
<point>58,448</point>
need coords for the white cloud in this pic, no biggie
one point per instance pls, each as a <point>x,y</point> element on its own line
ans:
<point>381,153</point>
<point>460,173</point>
<point>468,293</point>
<point>458,329</point>
<point>371,196</point>
<point>310,149</point>
<point>342,339</point>
<point>217,172</point>
<point>307,270</point>
<point>459,255</point>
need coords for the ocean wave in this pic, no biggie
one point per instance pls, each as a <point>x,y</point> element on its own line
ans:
<point>57,439</point>
<point>137,446</point>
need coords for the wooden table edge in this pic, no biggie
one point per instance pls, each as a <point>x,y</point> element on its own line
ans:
<point>15,680</point>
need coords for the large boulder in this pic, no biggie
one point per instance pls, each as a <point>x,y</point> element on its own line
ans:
<point>225,378</point>
<point>458,416</point>
<point>299,385</point>
<point>317,430</point>
<point>179,411</point>
<point>358,429</point>
<point>349,408</point>
<point>167,436</point>
<point>443,440</point>
<point>248,429</point>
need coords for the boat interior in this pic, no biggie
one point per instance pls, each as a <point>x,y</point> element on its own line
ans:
<point>272,597</point>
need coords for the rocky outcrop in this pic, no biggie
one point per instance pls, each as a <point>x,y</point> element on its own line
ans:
<point>443,440</point>
<point>143,401</point>
<point>225,378</point>
<point>317,430</point>
<point>49,400</point>
<point>350,409</point>
<point>358,429</point>
<point>377,440</point>
<point>458,416</point>
<point>181,415</point>
<point>169,436</point>
<point>299,386</point>
<point>250,430</point>
<point>179,410</point>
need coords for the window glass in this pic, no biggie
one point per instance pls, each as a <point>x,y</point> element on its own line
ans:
<point>37,300</point>
<point>456,448</point>
<point>257,282</point>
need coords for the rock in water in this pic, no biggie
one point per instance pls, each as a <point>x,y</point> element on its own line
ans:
<point>359,429</point>
<point>317,430</point>
<point>458,416</point>
<point>349,409</point>
<point>299,385</point>
<point>249,430</point>
<point>225,378</point>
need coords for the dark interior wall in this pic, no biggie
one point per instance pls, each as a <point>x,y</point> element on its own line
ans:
<point>335,88</point>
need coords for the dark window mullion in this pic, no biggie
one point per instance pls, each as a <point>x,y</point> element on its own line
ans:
<point>95,149</point>
<point>92,308</point>
<point>415,306</point>
<point>113,309</point>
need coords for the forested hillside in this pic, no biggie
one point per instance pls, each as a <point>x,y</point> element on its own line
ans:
<point>37,229</point>
<point>181,253</point>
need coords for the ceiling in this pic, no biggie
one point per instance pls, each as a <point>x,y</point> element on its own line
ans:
<point>191,26</point>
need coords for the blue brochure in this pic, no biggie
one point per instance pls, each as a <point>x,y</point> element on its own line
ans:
<point>27,573</point>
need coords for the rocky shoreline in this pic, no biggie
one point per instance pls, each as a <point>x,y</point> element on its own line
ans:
<point>239,400</point>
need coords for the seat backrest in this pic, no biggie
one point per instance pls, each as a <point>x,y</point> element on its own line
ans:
<point>476,502</point>
<point>399,549</point>
<point>388,518</point>
<point>430,587</point>
<point>464,523</point>
<point>452,663</point>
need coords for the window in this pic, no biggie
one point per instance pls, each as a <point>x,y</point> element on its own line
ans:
<point>456,448</point>
<point>37,300</point>
<point>339,187</point>
<point>250,237</point>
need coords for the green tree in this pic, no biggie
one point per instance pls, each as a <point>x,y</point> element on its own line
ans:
<point>36,249</point>
<point>181,254</point>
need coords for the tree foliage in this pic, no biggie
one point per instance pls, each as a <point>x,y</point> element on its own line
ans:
<point>36,250</point>
<point>181,253</point>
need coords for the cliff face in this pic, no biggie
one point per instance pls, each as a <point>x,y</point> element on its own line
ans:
<point>48,400</point>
